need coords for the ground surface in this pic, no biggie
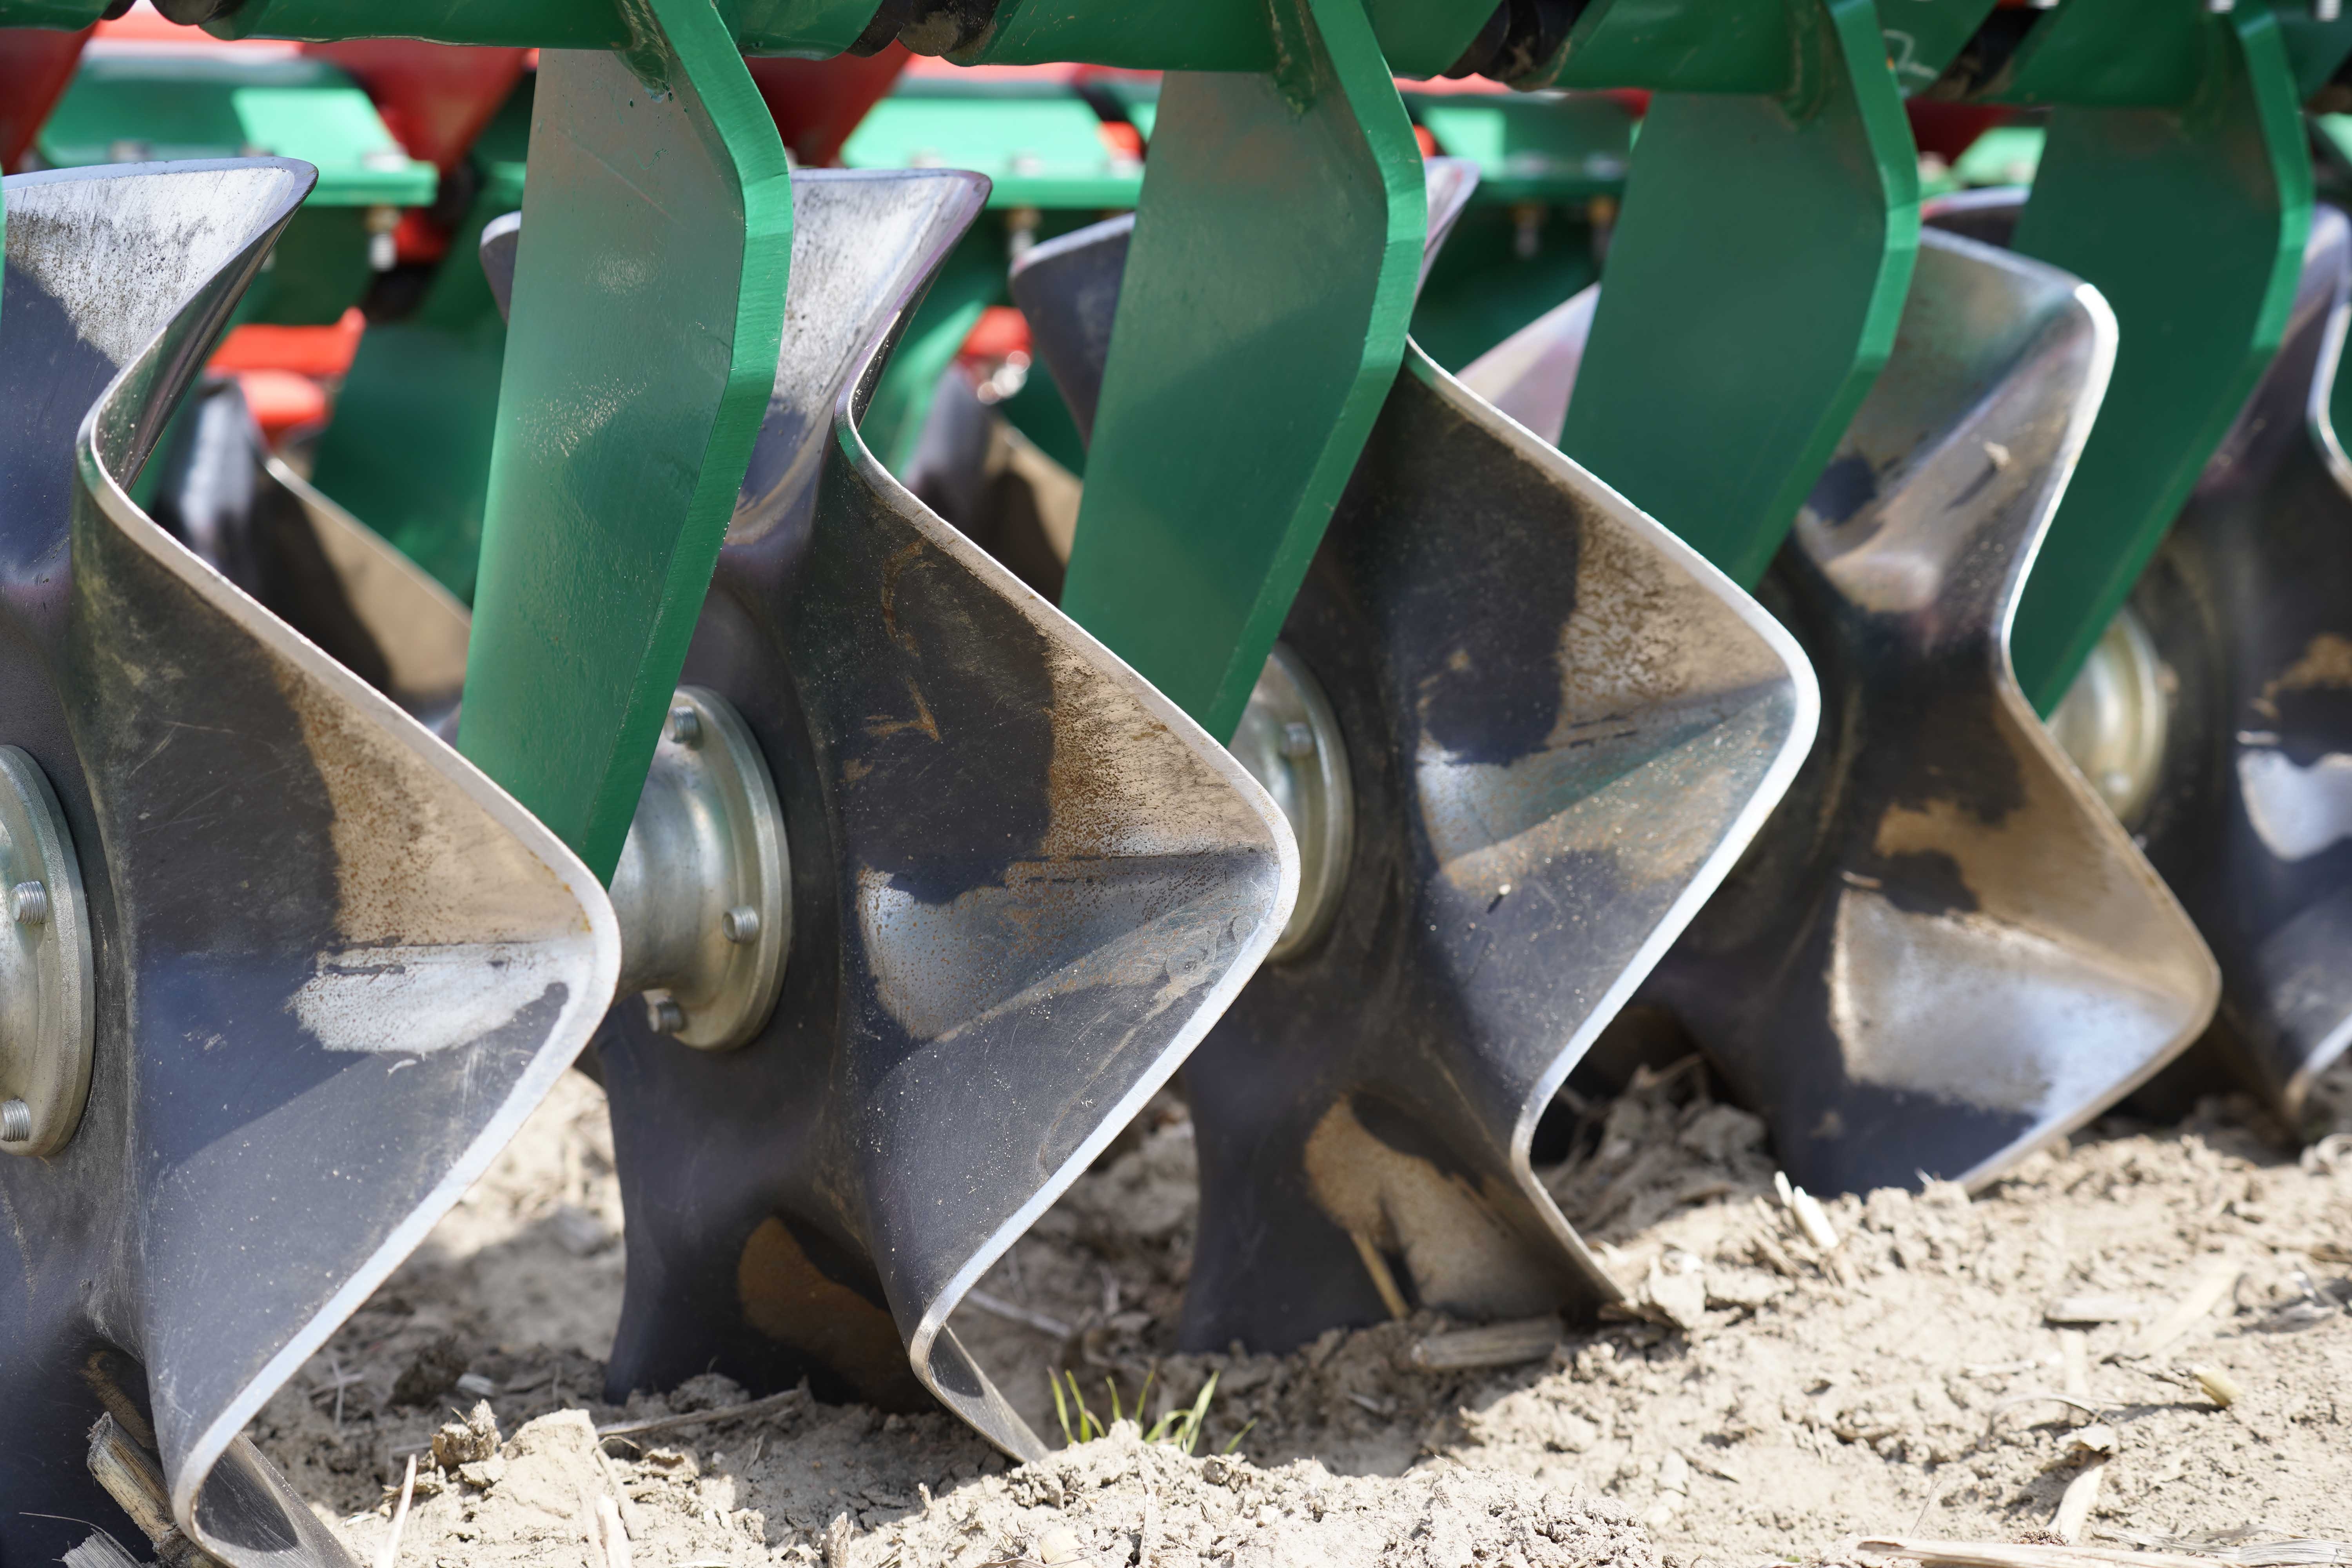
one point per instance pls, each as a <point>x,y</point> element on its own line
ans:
<point>1781,1397</point>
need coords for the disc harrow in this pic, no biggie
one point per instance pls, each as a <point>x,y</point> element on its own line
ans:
<point>1894,642</point>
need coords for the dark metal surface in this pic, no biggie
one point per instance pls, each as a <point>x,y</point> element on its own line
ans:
<point>1562,726</point>
<point>225,495</point>
<point>2250,604</point>
<point>1024,885</point>
<point>335,966</point>
<point>1943,950</point>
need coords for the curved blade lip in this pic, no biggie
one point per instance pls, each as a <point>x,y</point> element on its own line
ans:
<point>1210,1002</point>
<point>581,1011</point>
<point>1779,774</point>
<point>2106,336</point>
<point>2106,333</point>
<point>2327,228</point>
<point>2093,815</point>
<point>1448,185</point>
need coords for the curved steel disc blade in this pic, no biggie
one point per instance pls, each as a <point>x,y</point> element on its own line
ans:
<point>318,568</point>
<point>2250,604</point>
<point>1945,950</point>
<point>1562,727</point>
<point>1531,375</point>
<point>335,966</point>
<point>1024,886</point>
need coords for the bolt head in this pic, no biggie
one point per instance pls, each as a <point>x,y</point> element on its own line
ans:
<point>685,725</point>
<point>1297,740</point>
<point>740,924</point>
<point>663,1015</point>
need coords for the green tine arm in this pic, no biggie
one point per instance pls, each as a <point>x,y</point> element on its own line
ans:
<point>1260,321</point>
<point>2176,182</point>
<point>1759,265</point>
<point>648,310</point>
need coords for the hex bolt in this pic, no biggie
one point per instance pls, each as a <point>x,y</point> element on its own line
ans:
<point>15,1121</point>
<point>684,726</point>
<point>1297,740</point>
<point>663,1015</point>
<point>740,924</point>
<point>29,902</point>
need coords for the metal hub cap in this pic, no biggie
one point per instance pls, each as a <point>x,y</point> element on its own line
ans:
<point>2112,720</point>
<point>1289,740</point>
<point>702,889</point>
<point>48,1017</point>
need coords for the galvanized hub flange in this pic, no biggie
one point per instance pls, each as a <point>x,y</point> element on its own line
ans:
<point>703,887</point>
<point>1289,740</point>
<point>48,1017</point>
<point>2114,719</point>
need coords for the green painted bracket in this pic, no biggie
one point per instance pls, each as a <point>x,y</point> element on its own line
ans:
<point>1040,144</point>
<point>1418,38</point>
<point>71,16</point>
<point>1248,357</point>
<point>817,29</point>
<point>648,313</point>
<point>1759,263</point>
<point>175,103</point>
<point>2176,181</point>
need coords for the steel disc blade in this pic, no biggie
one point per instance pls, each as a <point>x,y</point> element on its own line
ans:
<point>1945,950</point>
<point>1561,726</point>
<point>225,495</point>
<point>1026,885</point>
<point>2250,605</point>
<point>335,967</point>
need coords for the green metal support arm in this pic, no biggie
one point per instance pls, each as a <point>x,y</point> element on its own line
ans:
<point>1759,266</point>
<point>2175,181</point>
<point>1262,318</point>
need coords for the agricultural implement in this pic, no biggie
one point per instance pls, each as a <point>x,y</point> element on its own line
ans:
<point>1518,596</point>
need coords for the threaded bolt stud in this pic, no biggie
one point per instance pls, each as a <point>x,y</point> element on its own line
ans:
<point>741,925</point>
<point>29,902</point>
<point>684,726</point>
<point>663,1015</point>
<point>15,1121</point>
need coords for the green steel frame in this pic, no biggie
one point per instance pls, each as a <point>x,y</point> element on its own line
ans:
<point>2176,180</point>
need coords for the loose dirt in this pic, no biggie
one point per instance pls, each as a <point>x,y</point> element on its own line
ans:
<point>1928,1364</point>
